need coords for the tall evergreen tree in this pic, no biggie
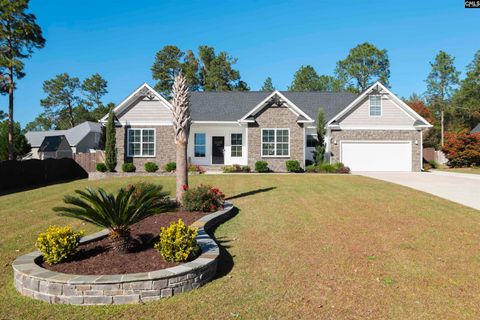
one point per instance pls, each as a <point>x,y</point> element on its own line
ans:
<point>21,147</point>
<point>110,143</point>
<point>305,79</point>
<point>2,115</point>
<point>94,88</point>
<point>364,65</point>
<point>441,82</point>
<point>319,152</point>
<point>268,85</point>
<point>19,36</point>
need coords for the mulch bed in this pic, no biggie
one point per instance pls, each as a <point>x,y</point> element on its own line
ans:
<point>97,257</point>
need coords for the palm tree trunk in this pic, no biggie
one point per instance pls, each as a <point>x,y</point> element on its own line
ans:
<point>121,240</point>
<point>181,171</point>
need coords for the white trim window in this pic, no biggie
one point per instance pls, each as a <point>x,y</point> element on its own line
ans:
<point>141,142</point>
<point>236,144</point>
<point>275,142</point>
<point>375,109</point>
<point>199,148</point>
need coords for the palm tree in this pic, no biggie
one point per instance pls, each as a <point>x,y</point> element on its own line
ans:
<point>116,212</point>
<point>181,125</point>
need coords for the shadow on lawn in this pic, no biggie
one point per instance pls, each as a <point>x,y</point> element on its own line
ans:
<point>250,193</point>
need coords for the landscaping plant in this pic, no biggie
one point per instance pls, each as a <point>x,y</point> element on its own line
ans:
<point>110,140</point>
<point>196,169</point>
<point>319,152</point>
<point>151,167</point>
<point>170,167</point>
<point>245,169</point>
<point>178,242</point>
<point>128,167</point>
<point>117,212</point>
<point>462,149</point>
<point>293,166</point>
<point>58,243</point>
<point>203,198</point>
<point>261,166</point>
<point>101,167</point>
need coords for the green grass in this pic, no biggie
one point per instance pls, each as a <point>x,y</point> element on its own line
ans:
<point>472,170</point>
<point>314,246</point>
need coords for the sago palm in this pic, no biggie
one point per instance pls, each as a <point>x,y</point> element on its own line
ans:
<point>116,212</point>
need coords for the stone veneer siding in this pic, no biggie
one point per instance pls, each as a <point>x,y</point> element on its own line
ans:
<point>164,147</point>
<point>53,287</point>
<point>365,135</point>
<point>275,117</point>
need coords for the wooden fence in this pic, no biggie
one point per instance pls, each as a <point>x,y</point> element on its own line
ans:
<point>88,161</point>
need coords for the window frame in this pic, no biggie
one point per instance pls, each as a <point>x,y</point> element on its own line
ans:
<point>141,155</point>
<point>200,145</point>
<point>275,155</point>
<point>236,145</point>
<point>379,106</point>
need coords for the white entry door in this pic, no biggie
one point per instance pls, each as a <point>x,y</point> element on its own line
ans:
<point>377,156</point>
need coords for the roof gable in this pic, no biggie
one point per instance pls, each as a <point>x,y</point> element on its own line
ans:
<point>54,143</point>
<point>73,135</point>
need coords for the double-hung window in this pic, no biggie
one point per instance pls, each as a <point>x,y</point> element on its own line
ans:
<point>199,145</point>
<point>236,141</point>
<point>275,142</point>
<point>375,106</point>
<point>141,142</point>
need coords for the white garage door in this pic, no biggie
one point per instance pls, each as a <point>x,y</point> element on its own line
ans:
<point>377,156</point>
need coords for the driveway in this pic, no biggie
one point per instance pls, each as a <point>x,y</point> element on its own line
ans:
<point>457,187</point>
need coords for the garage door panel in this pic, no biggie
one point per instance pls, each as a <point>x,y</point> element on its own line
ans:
<point>377,156</point>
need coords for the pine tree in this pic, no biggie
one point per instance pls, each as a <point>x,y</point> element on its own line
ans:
<point>110,149</point>
<point>268,85</point>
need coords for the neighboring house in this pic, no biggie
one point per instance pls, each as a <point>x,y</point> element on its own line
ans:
<point>476,129</point>
<point>82,138</point>
<point>373,131</point>
<point>56,147</point>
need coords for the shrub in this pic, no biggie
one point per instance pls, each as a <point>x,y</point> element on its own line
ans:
<point>101,167</point>
<point>427,166</point>
<point>308,162</point>
<point>203,198</point>
<point>58,243</point>
<point>261,166</point>
<point>234,168</point>
<point>195,169</point>
<point>228,169</point>
<point>171,166</point>
<point>462,149</point>
<point>245,169</point>
<point>151,167</point>
<point>293,166</point>
<point>177,242</point>
<point>343,169</point>
<point>128,167</point>
<point>434,164</point>
<point>311,168</point>
<point>338,165</point>
<point>116,212</point>
<point>327,168</point>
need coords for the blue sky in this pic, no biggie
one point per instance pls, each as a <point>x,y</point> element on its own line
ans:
<point>118,39</point>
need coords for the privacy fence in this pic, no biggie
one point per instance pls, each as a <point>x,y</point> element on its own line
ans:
<point>29,173</point>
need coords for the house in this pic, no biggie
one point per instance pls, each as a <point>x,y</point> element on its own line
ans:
<point>55,147</point>
<point>82,138</point>
<point>373,131</point>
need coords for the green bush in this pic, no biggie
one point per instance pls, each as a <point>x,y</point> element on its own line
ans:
<point>151,167</point>
<point>427,166</point>
<point>311,168</point>
<point>233,168</point>
<point>327,168</point>
<point>261,166</point>
<point>338,165</point>
<point>293,166</point>
<point>228,169</point>
<point>177,242</point>
<point>101,167</point>
<point>245,169</point>
<point>344,170</point>
<point>203,198</point>
<point>434,164</point>
<point>193,168</point>
<point>128,167</point>
<point>58,243</point>
<point>171,166</point>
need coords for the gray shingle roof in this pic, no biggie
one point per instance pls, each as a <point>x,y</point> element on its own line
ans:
<point>54,143</point>
<point>231,106</point>
<point>73,135</point>
<point>476,129</point>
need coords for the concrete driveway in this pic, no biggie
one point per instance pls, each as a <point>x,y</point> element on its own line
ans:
<point>458,187</point>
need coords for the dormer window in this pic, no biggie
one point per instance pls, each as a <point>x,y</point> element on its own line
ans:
<point>375,106</point>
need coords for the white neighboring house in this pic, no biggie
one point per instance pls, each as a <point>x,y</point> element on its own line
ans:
<point>82,138</point>
<point>373,131</point>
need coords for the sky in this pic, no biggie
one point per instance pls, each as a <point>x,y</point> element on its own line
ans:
<point>119,39</point>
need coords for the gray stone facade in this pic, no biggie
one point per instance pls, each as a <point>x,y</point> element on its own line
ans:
<point>275,117</point>
<point>361,135</point>
<point>53,287</point>
<point>164,147</point>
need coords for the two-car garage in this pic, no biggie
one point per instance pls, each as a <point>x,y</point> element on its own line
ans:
<point>377,155</point>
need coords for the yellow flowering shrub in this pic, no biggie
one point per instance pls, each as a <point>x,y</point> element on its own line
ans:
<point>58,243</point>
<point>177,242</point>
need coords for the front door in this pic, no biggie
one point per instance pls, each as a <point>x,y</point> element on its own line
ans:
<point>218,145</point>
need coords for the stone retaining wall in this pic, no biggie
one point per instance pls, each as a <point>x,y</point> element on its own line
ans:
<point>34,281</point>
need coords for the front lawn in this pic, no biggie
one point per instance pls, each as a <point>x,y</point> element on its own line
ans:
<point>300,247</point>
<point>473,170</point>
